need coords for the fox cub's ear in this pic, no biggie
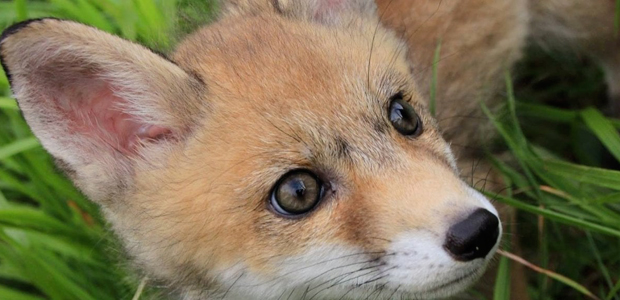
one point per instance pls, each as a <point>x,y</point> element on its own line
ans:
<point>95,101</point>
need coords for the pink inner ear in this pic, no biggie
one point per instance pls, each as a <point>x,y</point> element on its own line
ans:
<point>94,111</point>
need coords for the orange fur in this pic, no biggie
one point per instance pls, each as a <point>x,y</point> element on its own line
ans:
<point>275,86</point>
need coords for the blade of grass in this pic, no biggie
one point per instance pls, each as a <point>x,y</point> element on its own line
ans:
<point>4,81</point>
<point>12,183</point>
<point>603,129</point>
<point>501,290</point>
<point>558,217</point>
<point>614,291</point>
<point>85,13</point>
<point>123,13</point>
<point>4,203</point>
<point>514,177</point>
<point>67,246</point>
<point>7,293</point>
<point>153,26</point>
<point>517,146</point>
<point>602,213</point>
<point>595,176</point>
<point>50,274</point>
<point>8,103</point>
<point>554,114</point>
<point>140,289</point>
<point>18,146</point>
<point>548,113</point>
<point>21,10</point>
<point>563,279</point>
<point>617,18</point>
<point>37,220</point>
<point>512,134</point>
<point>599,261</point>
<point>607,199</point>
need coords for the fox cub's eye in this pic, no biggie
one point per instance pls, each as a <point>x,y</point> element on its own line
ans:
<point>403,117</point>
<point>297,192</point>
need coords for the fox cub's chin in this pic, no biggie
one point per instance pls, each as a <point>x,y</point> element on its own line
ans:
<point>282,152</point>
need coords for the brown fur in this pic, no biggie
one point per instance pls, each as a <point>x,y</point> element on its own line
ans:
<point>271,87</point>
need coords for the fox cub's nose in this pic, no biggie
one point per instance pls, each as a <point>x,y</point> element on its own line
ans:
<point>473,237</point>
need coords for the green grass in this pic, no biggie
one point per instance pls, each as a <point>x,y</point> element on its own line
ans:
<point>561,174</point>
<point>563,168</point>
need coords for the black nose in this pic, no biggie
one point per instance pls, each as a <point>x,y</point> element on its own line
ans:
<point>473,237</point>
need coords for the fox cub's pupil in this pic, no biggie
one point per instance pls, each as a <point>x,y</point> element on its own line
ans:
<point>301,190</point>
<point>297,192</point>
<point>403,117</point>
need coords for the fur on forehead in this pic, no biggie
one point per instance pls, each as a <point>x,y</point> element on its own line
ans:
<point>297,68</point>
<point>327,12</point>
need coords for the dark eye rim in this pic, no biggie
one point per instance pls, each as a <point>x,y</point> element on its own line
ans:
<point>399,96</point>
<point>275,206</point>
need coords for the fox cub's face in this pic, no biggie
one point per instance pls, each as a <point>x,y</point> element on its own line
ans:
<point>282,152</point>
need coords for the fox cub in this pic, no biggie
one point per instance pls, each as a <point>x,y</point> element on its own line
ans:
<point>287,151</point>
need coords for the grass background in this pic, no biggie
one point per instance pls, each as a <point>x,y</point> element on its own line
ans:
<point>561,174</point>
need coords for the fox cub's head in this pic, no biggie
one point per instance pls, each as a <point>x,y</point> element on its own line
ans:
<point>282,152</point>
